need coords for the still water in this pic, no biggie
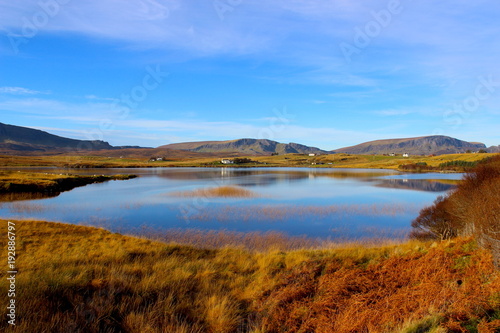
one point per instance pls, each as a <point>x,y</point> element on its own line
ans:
<point>325,203</point>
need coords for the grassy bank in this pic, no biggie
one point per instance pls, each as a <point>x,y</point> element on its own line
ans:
<point>24,184</point>
<point>81,279</point>
<point>289,160</point>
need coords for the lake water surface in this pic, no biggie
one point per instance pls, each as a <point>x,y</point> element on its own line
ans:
<point>325,203</point>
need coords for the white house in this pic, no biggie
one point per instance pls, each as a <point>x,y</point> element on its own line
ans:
<point>226,161</point>
<point>312,154</point>
<point>406,155</point>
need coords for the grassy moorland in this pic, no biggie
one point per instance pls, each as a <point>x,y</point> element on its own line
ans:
<point>82,279</point>
<point>442,162</point>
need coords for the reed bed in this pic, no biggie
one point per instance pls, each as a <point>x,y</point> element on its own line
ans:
<point>262,241</point>
<point>25,207</point>
<point>218,192</point>
<point>218,239</point>
<point>285,212</point>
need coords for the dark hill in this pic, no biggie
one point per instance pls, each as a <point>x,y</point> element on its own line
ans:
<point>437,145</point>
<point>17,138</point>
<point>245,146</point>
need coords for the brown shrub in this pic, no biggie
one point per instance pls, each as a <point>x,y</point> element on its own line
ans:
<point>435,222</point>
<point>382,296</point>
<point>473,209</point>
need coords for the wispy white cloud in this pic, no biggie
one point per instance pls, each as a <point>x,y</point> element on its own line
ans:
<point>97,98</point>
<point>390,113</point>
<point>20,91</point>
<point>442,46</point>
<point>440,39</point>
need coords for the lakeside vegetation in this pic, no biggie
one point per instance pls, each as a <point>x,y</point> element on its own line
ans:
<point>472,209</point>
<point>289,160</point>
<point>17,185</point>
<point>82,279</point>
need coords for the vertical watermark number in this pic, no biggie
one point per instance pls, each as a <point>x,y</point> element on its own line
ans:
<point>11,272</point>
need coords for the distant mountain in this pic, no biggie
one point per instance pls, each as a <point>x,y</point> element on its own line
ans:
<point>425,145</point>
<point>493,149</point>
<point>17,138</point>
<point>245,146</point>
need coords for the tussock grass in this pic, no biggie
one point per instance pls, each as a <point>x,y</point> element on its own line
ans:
<point>218,192</point>
<point>82,279</point>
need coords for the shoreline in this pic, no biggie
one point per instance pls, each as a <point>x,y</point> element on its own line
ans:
<point>25,184</point>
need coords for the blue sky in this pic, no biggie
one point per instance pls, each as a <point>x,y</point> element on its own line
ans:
<point>322,73</point>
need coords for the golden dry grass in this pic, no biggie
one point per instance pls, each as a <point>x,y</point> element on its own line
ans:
<point>289,160</point>
<point>218,192</point>
<point>82,279</point>
<point>21,185</point>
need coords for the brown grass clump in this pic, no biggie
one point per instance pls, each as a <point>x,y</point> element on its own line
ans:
<point>219,192</point>
<point>82,279</point>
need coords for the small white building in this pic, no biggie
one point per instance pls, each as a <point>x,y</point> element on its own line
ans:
<point>406,155</point>
<point>312,154</point>
<point>226,161</point>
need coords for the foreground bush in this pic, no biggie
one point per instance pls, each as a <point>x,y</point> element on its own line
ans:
<point>473,209</point>
<point>435,222</point>
<point>82,279</point>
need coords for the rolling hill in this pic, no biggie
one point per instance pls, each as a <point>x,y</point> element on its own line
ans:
<point>245,146</point>
<point>17,138</point>
<point>425,145</point>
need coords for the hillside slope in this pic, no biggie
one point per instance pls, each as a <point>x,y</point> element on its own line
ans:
<point>245,146</point>
<point>437,145</point>
<point>19,138</point>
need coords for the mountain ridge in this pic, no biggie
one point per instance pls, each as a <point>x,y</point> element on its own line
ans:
<point>246,146</point>
<point>422,145</point>
<point>24,140</point>
<point>29,139</point>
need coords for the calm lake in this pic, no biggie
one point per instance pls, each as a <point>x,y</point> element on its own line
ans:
<point>325,203</point>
